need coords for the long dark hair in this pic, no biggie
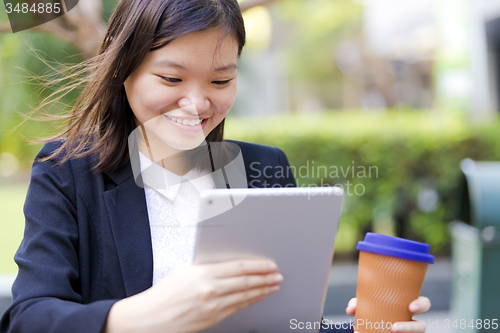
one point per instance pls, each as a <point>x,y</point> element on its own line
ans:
<point>101,119</point>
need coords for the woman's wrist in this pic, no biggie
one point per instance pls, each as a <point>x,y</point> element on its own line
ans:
<point>120,318</point>
<point>133,314</point>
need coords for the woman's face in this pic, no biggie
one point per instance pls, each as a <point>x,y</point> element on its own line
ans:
<point>182,91</point>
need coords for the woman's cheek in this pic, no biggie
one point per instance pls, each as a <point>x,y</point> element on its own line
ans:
<point>227,99</point>
<point>156,103</point>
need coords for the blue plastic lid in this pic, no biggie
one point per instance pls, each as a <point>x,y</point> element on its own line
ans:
<point>396,247</point>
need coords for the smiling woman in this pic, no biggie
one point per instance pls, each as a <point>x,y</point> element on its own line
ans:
<point>109,262</point>
<point>184,90</point>
<point>156,49</point>
<point>103,252</point>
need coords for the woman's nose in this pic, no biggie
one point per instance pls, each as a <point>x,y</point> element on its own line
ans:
<point>195,104</point>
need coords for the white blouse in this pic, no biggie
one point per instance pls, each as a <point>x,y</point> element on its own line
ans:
<point>173,214</point>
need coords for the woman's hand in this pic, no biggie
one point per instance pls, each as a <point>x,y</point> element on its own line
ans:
<point>192,298</point>
<point>420,305</point>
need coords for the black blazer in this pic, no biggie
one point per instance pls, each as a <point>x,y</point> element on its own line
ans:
<point>87,241</point>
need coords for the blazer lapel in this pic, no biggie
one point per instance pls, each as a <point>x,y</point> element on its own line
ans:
<point>128,216</point>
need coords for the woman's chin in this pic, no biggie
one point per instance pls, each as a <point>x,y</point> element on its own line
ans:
<point>186,145</point>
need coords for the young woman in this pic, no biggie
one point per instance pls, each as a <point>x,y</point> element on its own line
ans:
<point>93,257</point>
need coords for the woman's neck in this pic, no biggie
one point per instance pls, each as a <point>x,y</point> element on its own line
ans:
<point>165,156</point>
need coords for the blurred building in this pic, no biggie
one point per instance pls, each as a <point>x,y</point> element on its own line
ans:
<point>392,64</point>
<point>440,54</point>
<point>486,20</point>
<point>467,74</point>
<point>262,88</point>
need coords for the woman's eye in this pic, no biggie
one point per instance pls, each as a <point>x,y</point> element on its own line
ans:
<point>171,79</point>
<point>221,82</point>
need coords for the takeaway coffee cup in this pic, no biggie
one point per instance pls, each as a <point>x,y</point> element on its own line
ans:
<point>390,275</point>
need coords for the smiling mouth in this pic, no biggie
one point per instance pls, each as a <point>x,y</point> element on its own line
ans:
<point>187,122</point>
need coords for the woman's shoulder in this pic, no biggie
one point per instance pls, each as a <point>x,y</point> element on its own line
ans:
<point>50,161</point>
<point>50,155</point>
<point>74,177</point>
<point>50,147</point>
<point>55,146</point>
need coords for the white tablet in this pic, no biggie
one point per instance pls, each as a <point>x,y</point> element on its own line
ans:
<point>295,227</point>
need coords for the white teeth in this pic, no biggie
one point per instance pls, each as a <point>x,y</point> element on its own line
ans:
<point>191,122</point>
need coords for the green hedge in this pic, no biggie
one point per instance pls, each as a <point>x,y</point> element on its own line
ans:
<point>410,156</point>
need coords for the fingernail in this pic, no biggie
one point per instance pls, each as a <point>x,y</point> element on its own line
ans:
<point>272,266</point>
<point>398,327</point>
<point>278,278</point>
<point>414,307</point>
<point>274,289</point>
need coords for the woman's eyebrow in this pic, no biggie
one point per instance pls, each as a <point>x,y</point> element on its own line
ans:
<point>169,63</point>
<point>227,68</point>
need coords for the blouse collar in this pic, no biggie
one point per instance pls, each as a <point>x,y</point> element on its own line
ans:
<point>167,183</point>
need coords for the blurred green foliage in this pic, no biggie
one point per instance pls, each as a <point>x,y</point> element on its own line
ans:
<point>409,154</point>
<point>310,31</point>
<point>20,90</point>
<point>11,224</point>
<point>25,57</point>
